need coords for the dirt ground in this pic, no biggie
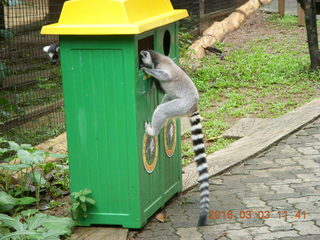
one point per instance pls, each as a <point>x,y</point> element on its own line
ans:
<point>258,26</point>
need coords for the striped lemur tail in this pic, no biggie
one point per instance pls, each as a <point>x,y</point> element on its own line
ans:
<point>181,98</point>
<point>202,167</point>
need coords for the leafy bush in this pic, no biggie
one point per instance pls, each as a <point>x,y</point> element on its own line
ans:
<point>80,204</point>
<point>8,202</point>
<point>4,71</point>
<point>30,224</point>
<point>24,172</point>
<point>6,34</point>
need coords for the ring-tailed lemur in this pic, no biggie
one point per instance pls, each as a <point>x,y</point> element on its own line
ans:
<point>181,99</point>
<point>53,52</point>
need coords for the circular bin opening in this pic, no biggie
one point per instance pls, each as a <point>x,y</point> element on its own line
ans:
<point>166,42</point>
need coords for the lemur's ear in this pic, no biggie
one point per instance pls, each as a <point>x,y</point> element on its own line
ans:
<point>57,49</point>
<point>46,48</point>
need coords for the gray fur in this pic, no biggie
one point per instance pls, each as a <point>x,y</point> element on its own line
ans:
<point>177,85</point>
<point>181,99</point>
<point>53,52</point>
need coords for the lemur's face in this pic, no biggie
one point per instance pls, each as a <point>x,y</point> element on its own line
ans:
<point>146,58</point>
<point>53,52</point>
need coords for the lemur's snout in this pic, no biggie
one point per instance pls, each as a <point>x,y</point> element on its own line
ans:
<point>144,53</point>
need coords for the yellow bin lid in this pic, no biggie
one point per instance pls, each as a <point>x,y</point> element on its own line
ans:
<point>106,17</point>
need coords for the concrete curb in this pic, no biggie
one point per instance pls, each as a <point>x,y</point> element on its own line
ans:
<point>251,145</point>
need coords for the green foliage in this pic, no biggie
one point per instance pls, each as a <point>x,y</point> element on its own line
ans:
<point>11,3</point>
<point>253,73</point>
<point>44,92</point>
<point>187,152</point>
<point>5,34</point>
<point>80,204</point>
<point>28,159</point>
<point>23,171</point>
<point>266,77</point>
<point>57,177</point>
<point>32,225</point>
<point>7,109</point>
<point>35,135</point>
<point>287,21</point>
<point>4,71</point>
<point>185,40</point>
<point>8,202</point>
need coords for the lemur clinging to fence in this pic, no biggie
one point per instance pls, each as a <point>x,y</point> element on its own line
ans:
<point>53,52</point>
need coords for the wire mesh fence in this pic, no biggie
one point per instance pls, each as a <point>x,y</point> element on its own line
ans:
<point>214,6</point>
<point>31,100</point>
<point>202,9</point>
<point>193,8</point>
<point>30,88</point>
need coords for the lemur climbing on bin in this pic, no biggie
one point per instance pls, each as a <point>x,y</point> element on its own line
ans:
<point>181,99</point>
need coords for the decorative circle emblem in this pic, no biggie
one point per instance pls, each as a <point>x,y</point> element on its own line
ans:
<point>150,152</point>
<point>170,136</point>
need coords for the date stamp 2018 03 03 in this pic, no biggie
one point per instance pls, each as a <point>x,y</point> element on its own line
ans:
<point>256,214</point>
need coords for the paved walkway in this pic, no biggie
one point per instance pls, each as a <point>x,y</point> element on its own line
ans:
<point>273,196</point>
<point>290,7</point>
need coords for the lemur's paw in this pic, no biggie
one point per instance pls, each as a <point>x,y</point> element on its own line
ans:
<point>148,129</point>
<point>145,69</point>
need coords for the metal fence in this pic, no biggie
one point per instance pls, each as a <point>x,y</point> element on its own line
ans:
<point>204,10</point>
<point>31,101</point>
<point>215,6</point>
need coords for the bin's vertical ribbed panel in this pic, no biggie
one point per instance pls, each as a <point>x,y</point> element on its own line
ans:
<point>96,123</point>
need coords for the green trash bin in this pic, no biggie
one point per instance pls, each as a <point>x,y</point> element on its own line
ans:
<point>107,101</point>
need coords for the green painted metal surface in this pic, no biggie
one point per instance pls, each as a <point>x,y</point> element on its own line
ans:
<point>107,101</point>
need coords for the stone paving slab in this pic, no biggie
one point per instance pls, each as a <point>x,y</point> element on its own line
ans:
<point>97,233</point>
<point>245,127</point>
<point>274,195</point>
<point>185,125</point>
<point>255,143</point>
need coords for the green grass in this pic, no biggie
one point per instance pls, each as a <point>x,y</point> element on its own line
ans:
<point>288,21</point>
<point>265,78</point>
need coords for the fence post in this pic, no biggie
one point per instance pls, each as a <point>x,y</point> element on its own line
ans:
<point>201,8</point>
<point>301,20</point>
<point>2,22</point>
<point>281,7</point>
<point>201,14</point>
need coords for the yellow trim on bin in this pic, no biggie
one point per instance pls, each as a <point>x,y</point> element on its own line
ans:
<point>113,17</point>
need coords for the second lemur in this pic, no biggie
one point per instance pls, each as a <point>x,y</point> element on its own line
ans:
<point>53,52</point>
<point>181,99</point>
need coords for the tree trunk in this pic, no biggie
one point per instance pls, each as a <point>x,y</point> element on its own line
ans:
<point>2,22</point>
<point>312,34</point>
